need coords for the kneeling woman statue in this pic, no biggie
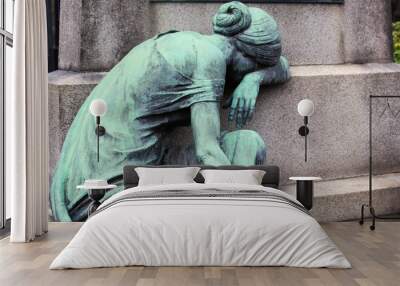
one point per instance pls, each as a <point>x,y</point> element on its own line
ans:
<point>173,79</point>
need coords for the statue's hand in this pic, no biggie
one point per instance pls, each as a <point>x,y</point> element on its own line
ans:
<point>243,102</point>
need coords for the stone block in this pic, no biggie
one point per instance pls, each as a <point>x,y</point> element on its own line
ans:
<point>338,141</point>
<point>367,31</point>
<point>96,34</point>
<point>311,33</point>
<point>356,32</point>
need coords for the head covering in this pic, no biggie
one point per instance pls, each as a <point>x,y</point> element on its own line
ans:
<point>254,28</point>
<point>232,18</point>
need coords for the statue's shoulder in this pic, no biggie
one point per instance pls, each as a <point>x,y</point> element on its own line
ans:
<point>184,40</point>
<point>188,46</point>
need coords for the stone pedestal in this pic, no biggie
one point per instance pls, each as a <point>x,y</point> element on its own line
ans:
<point>338,140</point>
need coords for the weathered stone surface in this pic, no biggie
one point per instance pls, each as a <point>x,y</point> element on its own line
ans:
<point>96,34</point>
<point>357,32</point>
<point>70,35</point>
<point>311,34</point>
<point>67,91</point>
<point>367,31</point>
<point>338,142</point>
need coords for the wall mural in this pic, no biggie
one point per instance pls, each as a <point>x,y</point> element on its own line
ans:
<point>174,79</point>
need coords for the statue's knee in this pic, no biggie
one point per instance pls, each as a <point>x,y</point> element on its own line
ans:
<point>244,145</point>
<point>254,137</point>
<point>245,137</point>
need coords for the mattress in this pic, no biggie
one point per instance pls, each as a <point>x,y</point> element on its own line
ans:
<point>201,225</point>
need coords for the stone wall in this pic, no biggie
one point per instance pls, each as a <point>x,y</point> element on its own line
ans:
<point>96,34</point>
<point>316,39</point>
<point>338,142</point>
<point>316,34</point>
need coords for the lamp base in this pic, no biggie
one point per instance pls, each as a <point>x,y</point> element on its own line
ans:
<point>303,130</point>
<point>100,130</point>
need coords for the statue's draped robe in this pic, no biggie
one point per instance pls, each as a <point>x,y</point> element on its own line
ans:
<point>151,89</point>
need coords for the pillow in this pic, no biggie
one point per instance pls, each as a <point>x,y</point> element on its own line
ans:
<point>247,177</point>
<point>165,176</point>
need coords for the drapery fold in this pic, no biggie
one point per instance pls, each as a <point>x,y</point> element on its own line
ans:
<point>27,124</point>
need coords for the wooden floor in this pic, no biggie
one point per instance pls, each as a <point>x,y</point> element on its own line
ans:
<point>375,257</point>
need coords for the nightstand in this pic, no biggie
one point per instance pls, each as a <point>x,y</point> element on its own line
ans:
<point>95,193</point>
<point>305,190</point>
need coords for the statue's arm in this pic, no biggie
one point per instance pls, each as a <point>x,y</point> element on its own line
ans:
<point>278,73</point>
<point>206,132</point>
<point>243,100</point>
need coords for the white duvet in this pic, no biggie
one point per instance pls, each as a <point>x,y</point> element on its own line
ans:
<point>200,231</point>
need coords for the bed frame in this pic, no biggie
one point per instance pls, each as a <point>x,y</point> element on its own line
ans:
<point>271,177</point>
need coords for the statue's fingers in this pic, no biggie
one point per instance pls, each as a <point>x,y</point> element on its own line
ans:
<point>234,106</point>
<point>252,109</point>
<point>240,113</point>
<point>244,117</point>
<point>239,119</point>
<point>232,113</point>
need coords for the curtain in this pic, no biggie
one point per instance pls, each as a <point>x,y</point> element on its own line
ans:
<point>27,124</point>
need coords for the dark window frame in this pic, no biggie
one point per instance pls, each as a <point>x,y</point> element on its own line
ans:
<point>53,20</point>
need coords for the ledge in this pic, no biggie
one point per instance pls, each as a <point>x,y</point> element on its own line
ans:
<point>341,199</point>
<point>350,185</point>
<point>346,69</point>
<point>61,77</point>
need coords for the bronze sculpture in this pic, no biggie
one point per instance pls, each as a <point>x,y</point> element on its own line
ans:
<point>175,78</point>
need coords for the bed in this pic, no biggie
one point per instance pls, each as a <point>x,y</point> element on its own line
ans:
<point>198,224</point>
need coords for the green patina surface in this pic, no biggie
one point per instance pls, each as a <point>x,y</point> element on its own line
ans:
<point>174,79</point>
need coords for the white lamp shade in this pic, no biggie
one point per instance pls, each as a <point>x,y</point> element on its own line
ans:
<point>305,107</point>
<point>98,107</point>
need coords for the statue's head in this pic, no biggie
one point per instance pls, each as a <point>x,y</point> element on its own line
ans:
<point>254,31</point>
